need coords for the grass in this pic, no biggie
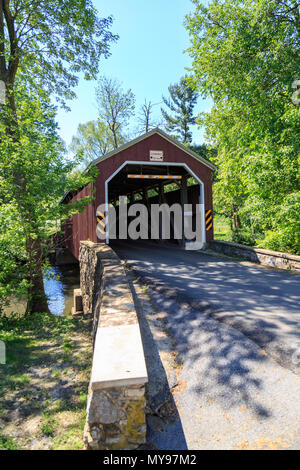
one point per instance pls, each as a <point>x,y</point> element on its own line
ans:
<point>56,373</point>
<point>49,425</point>
<point>221,228</point>
<point>7,443</point>
<point>44,383</point>
<point>223,232</point>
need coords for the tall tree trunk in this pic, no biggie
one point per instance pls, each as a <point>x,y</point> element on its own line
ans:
<point>37,300</point>
<point>236,218</point>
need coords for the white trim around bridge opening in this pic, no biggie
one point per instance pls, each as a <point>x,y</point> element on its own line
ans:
<point>184,165</point>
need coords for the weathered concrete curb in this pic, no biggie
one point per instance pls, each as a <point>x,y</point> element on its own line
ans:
<point>270,258</point>
<point>116,401</point>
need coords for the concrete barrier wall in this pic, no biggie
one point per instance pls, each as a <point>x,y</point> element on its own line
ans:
<point>116,399</point>
<point>270,258</point>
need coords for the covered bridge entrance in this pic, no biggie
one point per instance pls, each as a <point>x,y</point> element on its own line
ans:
<point>153,169</point>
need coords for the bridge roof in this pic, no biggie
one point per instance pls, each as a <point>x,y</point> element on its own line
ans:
<point>142,137</point>
<point>158,131</point>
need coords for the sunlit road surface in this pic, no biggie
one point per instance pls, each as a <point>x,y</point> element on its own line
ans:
<point>236,327</point>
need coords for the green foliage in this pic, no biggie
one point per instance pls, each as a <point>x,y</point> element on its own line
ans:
<point>181,105</point>
<point>14,327</point>
<point>12,255</point>
<point>93,140</point>
<point>44,46</point>
<point>53,41</point>
<point>243,236</point>
<point>49,425</point>
<point>37,157</point>
<point>287,221</point>
<point>246,56</point>
<point>7,443</point>
<point>96,138</point>
<point>221,227</point>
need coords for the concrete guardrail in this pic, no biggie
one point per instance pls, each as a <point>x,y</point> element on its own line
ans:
<point>270,258</point>
<point>116,399</point>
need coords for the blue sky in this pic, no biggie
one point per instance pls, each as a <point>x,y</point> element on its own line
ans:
<point>147,58</point>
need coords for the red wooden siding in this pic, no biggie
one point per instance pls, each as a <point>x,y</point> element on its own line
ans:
<point>84,224</point>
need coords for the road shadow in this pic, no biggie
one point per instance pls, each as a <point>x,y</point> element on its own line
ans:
<point>164,427</point>
<point>261,303</point>
<point>221,364</point>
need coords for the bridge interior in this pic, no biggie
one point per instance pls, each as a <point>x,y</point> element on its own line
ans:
<point>154,184</point>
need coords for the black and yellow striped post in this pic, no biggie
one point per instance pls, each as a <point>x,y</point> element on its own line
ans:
<point>208,219</point>
<point>101,224</point>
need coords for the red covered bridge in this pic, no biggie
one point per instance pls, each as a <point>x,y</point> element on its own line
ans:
<point>154,160</point>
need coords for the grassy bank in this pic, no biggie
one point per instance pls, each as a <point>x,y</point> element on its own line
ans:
<point>44,383</point>
<point>222,228</point>
<point>222,231</point>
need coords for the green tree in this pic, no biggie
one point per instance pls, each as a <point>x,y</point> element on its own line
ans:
<point>115,106</point>
<point>246,57</point>
<point>93,140</point>
<point>181,103</point>
<point>38,156</point>
<point>43,46</point>
<point>204,151</point>
<point>12,254</point>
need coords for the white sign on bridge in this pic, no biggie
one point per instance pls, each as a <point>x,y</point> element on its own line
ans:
<point>156,155</point>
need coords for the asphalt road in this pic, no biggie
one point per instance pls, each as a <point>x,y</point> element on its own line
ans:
<point>261,303</point>
<point>236,329</point>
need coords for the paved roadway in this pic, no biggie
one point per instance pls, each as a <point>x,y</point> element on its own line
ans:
<point>236,328</point>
